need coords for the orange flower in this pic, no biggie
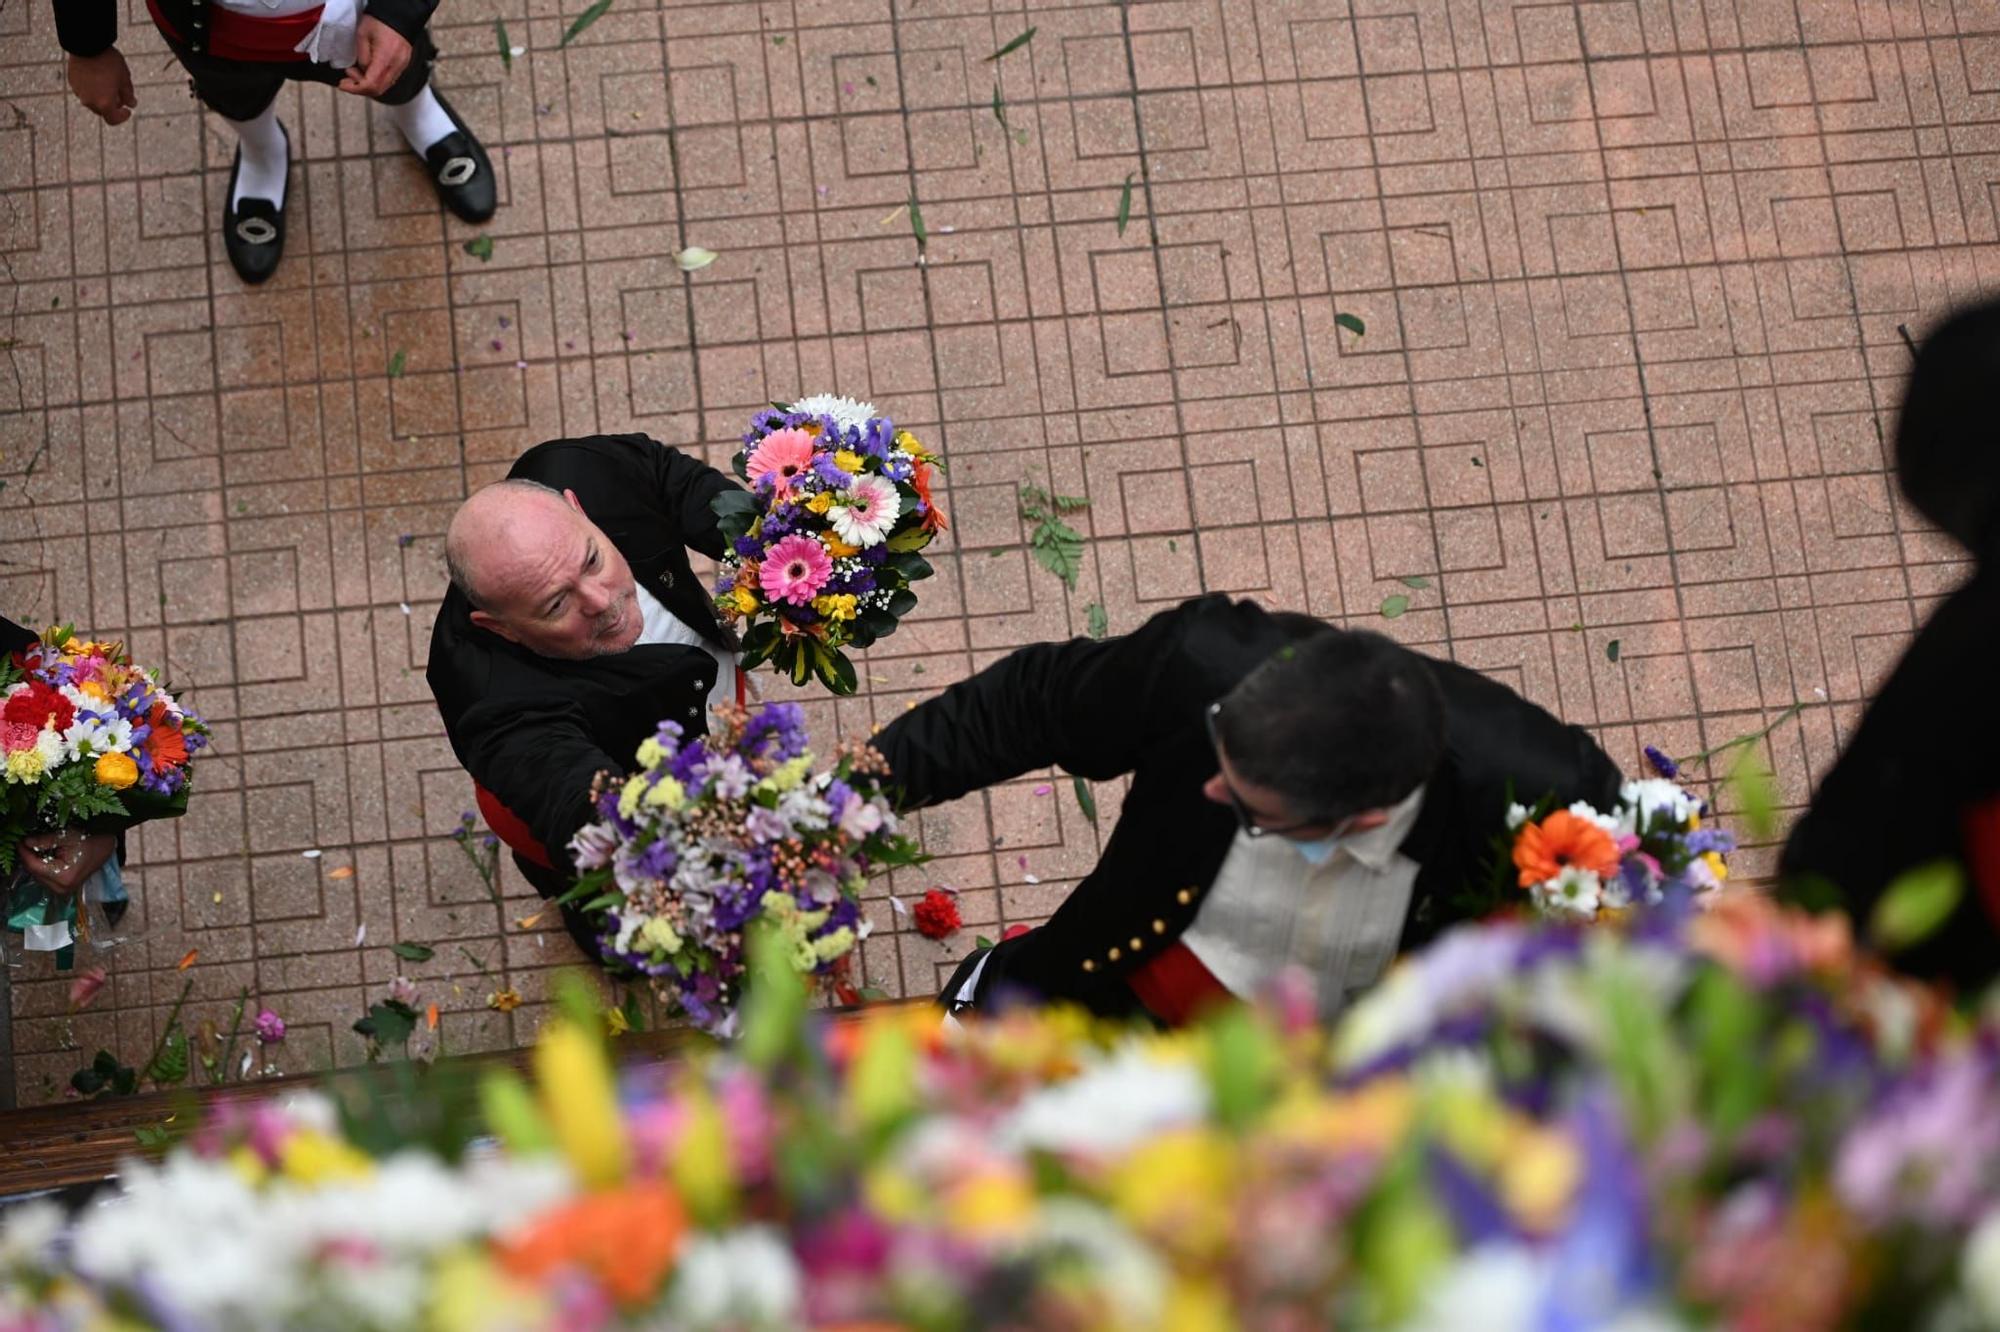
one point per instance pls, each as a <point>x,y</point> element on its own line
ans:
<point>933,515</point>
<point>165,746</point>
<point>1543,850</point>
<point>626,1238</point>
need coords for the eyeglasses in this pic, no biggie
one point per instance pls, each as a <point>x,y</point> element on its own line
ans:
<point>1246,818</point>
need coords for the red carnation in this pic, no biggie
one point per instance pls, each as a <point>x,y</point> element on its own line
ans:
<point>36,704</point>
<point>937,915</point>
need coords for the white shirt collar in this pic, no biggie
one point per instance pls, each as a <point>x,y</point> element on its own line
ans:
<point>1375,847</point>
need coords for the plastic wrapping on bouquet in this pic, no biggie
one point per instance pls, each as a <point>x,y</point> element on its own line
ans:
<point>40,921</point>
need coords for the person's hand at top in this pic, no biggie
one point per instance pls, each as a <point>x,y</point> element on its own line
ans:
<point>103,83</point>
<point>61,861</point>
<point>381,54</point>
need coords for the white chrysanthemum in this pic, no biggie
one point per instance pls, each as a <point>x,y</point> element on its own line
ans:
<point>746,1278</point>
<point>1516,816</point>
<point>1655,795</point>
<point>1608,822</point>
<point>863,515</point>
<point>845,412</point>
<point>1574,894</point>
<point>49,744</point>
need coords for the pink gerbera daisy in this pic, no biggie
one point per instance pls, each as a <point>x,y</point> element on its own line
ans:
<point>795,570</point>
<point>782,455</point>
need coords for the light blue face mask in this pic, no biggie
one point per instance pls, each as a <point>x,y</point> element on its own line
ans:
<point>1321,850</point>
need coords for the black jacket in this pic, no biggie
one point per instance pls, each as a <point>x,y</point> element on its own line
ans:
<point>90,27</point>
<point>1101,709</point>
<point>534,731</point>
<point>1898,797</point>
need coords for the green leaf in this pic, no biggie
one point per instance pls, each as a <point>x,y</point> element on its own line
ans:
<point>480,247</point>
<point>1417,581</point>
<point>413,952</point>
<point>734,510</point>
<point>1125,203</point>
<point>917,227</point>
<point>388,1023</point>
<point>1011,47</point>
<point>1000,110</point>
<point>1611,650</point>
<point>170,1065</point>
<point>1096,622</point>
<point>1752,783</point>
<point>506,47</point>
<point>397,362</point>
<point>1352,323</point>
<point>152,1136</point>
<point>909,539</point>
<point>584,20</point>
<point>1394,605</point>
<point>873,994</point>
<point>1085,801</point>
<point>981,941</point>
<point>1242,1064</point>
<point>901,603</point>
<point>1912,908</point>
<point>833,667</point>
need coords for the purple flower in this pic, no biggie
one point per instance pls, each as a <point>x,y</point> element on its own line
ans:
<point>1663,765</point>
<point>269,1027</point>
<point>766,825</point>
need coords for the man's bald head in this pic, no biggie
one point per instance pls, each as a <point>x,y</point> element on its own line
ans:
<point>538,572</point>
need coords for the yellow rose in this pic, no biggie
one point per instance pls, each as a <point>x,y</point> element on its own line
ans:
<point>116,771</point>
<point>746,600</point>
<point>821,502</point>
<point>837,548</point>
<point>847,460</point>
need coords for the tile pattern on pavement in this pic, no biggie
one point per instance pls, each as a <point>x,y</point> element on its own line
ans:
<point>1580,325</point>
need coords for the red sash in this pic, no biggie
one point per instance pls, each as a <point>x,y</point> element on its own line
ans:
<point>256,37</point>
<point>1979,828</point>
<point>1174,985</point>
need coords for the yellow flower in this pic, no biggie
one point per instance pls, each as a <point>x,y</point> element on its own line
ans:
<point>660,935</point>
<point>249,1166</point>
<point>666,794</point>
<point>821,502</point>
<point>1174,1186</point>
<point>469,1293</point>
<point>1198,1304</point>
<point>651,752</point>
<point>26,766</point>
<point>837,944</point>
<point>116,771</point>
<point>893,1195</point>
<point>581,1101</point>
<point>1716,865</point>
<point>847,460</point>
<point>993,1204</point>
<point>1539,1173</point>
<point>836,606</point>
<point>504,1001</point>
<point>94,689</point>
<point>837,548</point>
<point>746,600</point>
<point>615,1022</point>
<point>629,797</point>
<point>907,442</point>
<point>789,774</point>
<point>315,1158</point>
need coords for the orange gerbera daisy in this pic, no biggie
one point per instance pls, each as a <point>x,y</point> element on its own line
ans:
<point>1543,850</point>
<point>166,746</point>
<point>920,477</point>
<point>628,1239</point>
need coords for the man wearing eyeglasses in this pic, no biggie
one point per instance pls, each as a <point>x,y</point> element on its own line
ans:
<point>1301,796</point>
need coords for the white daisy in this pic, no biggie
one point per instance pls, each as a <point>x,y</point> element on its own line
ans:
<point>866,512</point>
<point>1573,894</point>
<point>844,412</point>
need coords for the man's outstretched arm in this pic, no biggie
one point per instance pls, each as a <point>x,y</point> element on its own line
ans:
<point>1090,707</point>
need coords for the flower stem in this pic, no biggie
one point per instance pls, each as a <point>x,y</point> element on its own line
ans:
<point>220,1074</point>
<point>166,1032</point>
<point>1748,738</point>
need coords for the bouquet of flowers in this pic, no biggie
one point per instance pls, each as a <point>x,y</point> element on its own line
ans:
<point>713,834</point>
<point>87,739</point>
<point>823,546</point>
<point>1528,1126</point>
<point>1578,863</point>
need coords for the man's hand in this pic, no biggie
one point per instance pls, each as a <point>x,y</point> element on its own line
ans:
<point>60,861</point>
<point>103,83</point>
<point>381,54</point>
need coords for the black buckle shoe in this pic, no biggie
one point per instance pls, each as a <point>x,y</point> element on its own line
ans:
<point>253,235</point>
<point>461,171</point>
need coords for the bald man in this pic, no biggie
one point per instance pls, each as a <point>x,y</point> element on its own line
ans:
<point>573,627</point>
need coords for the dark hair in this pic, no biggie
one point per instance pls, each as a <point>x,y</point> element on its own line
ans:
<point>1336,723</point>
<point>1947,448</point>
